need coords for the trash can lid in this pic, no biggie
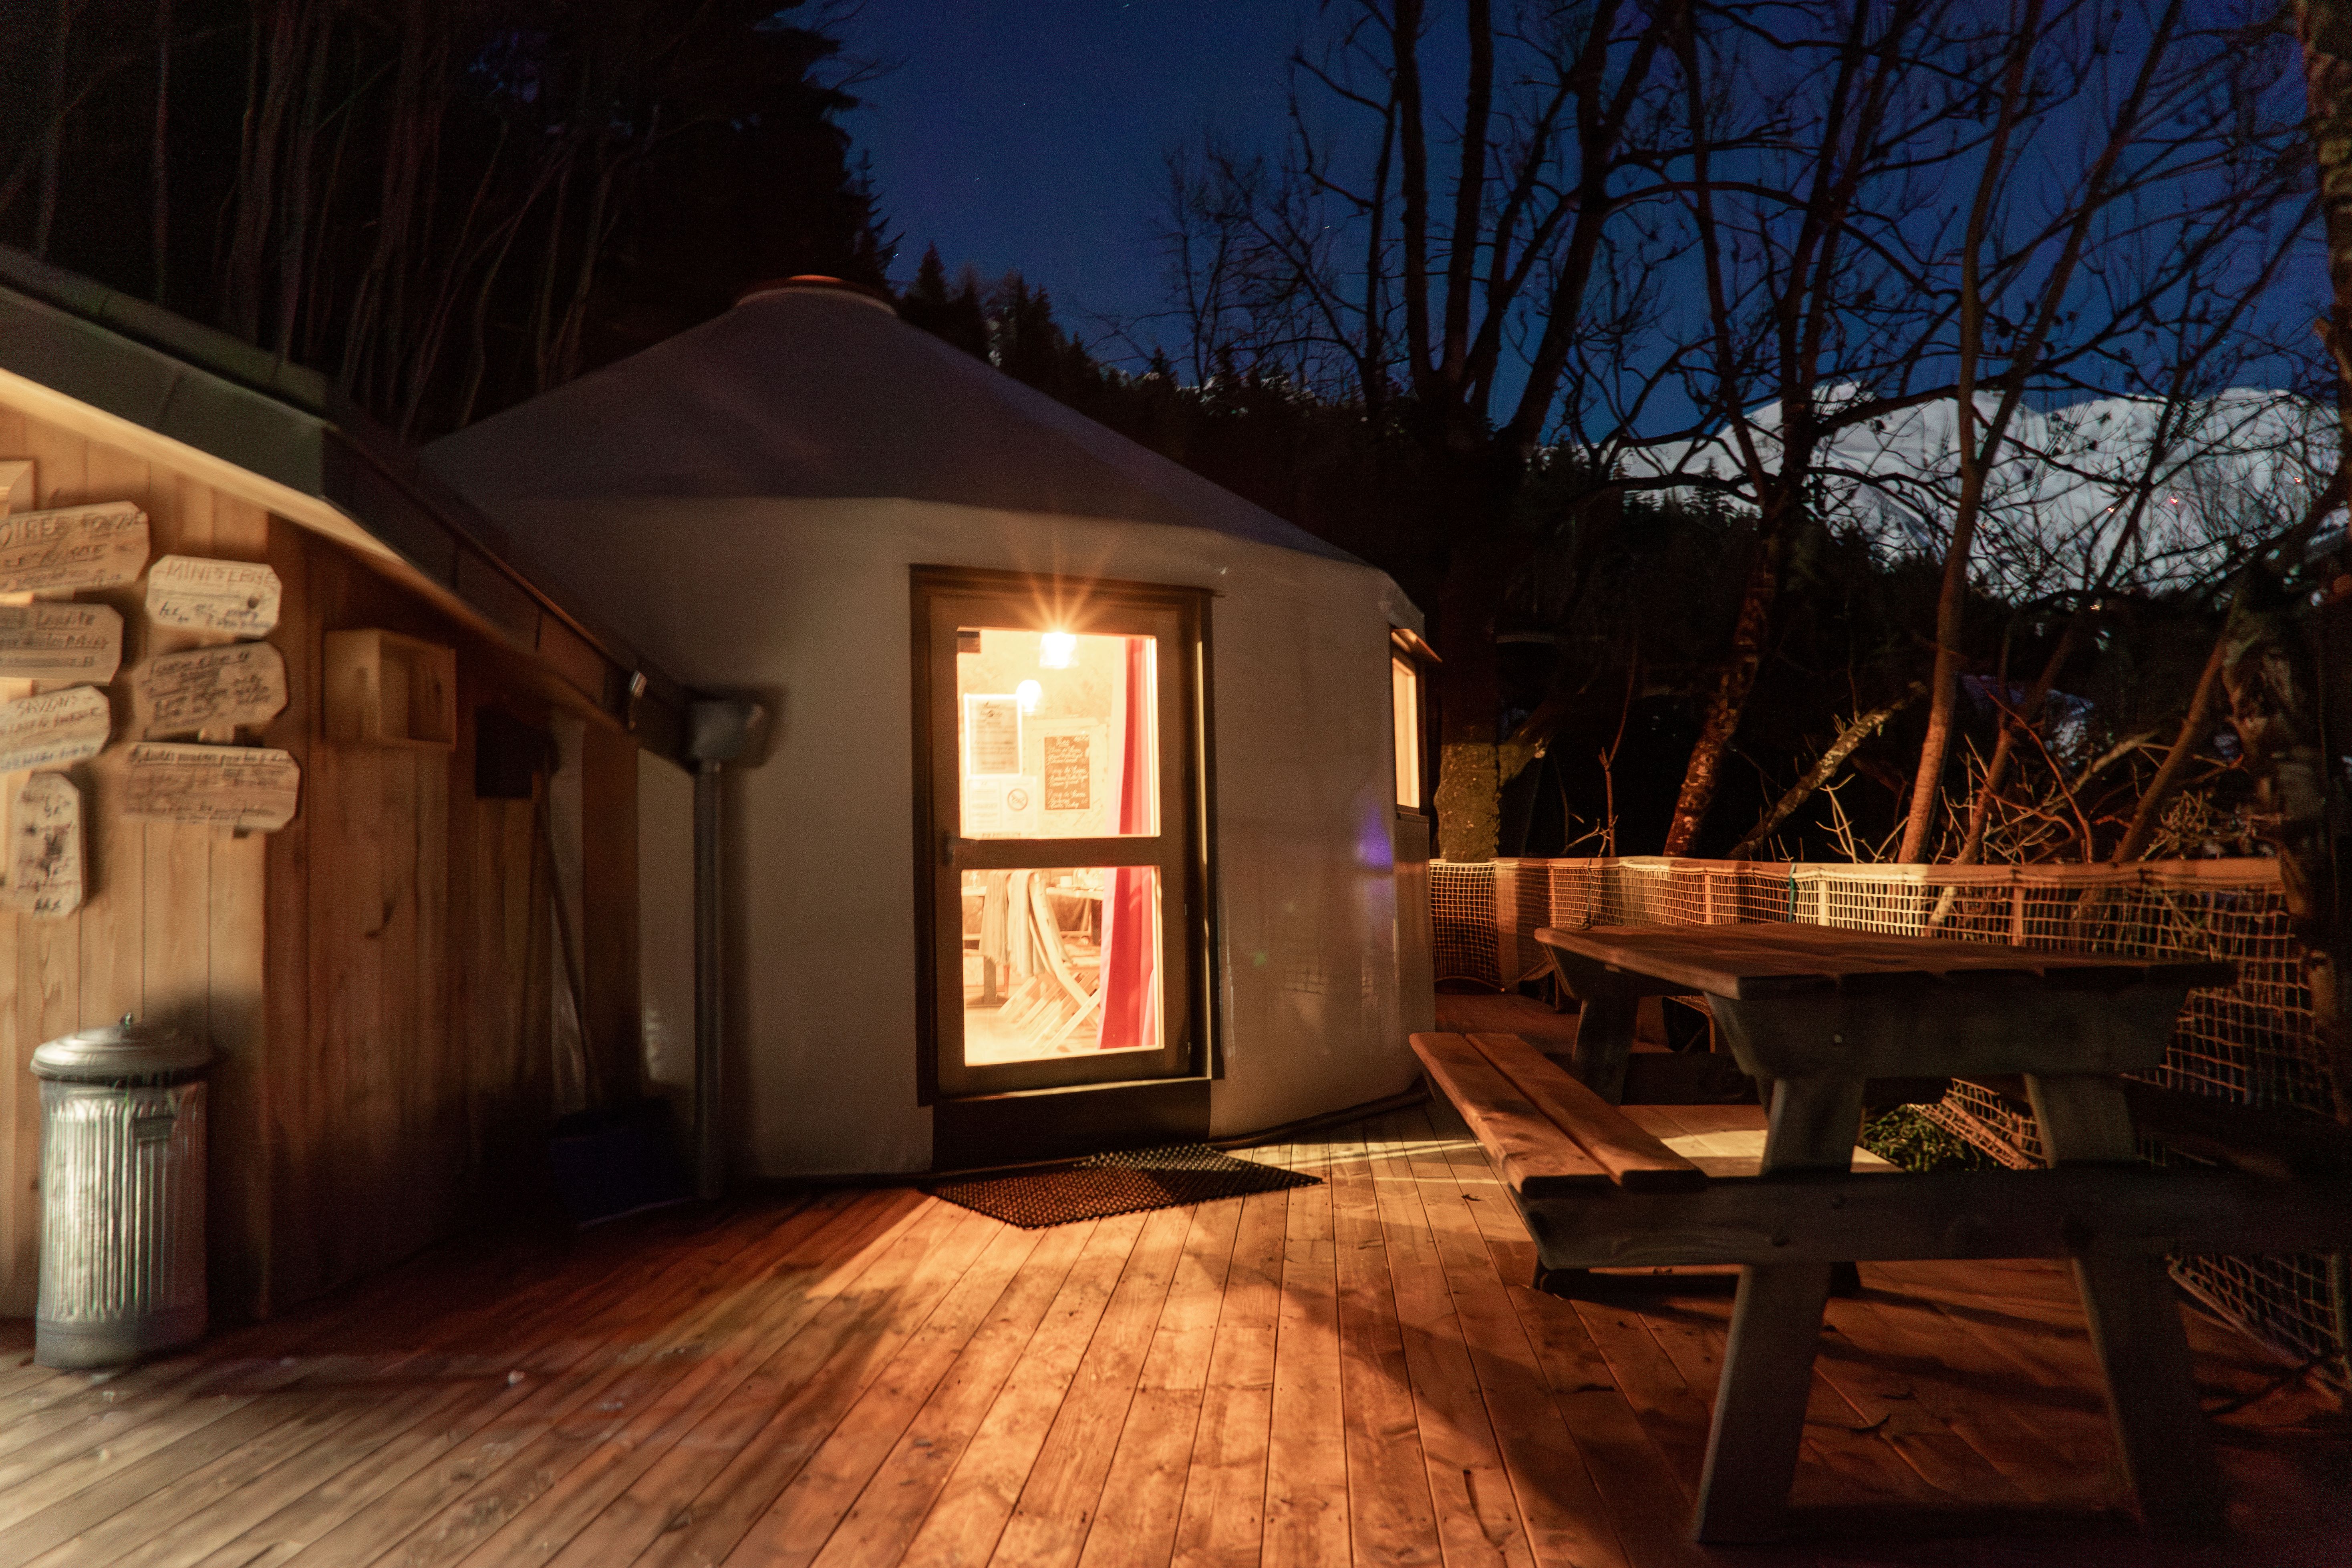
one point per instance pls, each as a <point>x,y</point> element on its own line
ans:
<point>124,1050</point>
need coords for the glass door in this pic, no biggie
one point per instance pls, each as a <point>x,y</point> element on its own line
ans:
<point>1063,829</point>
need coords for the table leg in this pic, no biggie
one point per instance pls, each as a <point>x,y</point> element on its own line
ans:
<point>2134,1323</point>
<point>1604,1038</point>
<point>1776,1324</point>
<point>1759,1405</point>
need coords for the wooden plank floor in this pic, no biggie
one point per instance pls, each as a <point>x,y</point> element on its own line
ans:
<point>1348,1373</point>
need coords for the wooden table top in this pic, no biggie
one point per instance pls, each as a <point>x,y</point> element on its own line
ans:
<point>1746,961</point>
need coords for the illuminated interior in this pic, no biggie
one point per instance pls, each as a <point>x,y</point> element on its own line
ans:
<point>1055,736</point>
<point>1404,691</point>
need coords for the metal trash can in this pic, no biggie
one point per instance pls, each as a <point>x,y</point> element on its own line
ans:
<point>122,1186</point>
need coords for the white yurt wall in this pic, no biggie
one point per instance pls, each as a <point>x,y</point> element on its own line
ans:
<point>805,602</point>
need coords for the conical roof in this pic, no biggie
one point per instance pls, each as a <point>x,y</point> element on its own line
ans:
<point>813,391</point>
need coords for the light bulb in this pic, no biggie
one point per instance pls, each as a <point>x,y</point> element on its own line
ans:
<point>1056,649</point>
<point>1031,694</point>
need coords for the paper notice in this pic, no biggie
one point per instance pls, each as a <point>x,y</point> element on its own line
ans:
<point>45,858</point>
<point>54,727</point>
<point>196,593</point>
<point>992,736</point>
<point>60,642</point>
<point>243,787</point>
<point>237,683</point>
<point>72,547</point>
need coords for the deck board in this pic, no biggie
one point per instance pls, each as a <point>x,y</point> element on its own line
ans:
<point>1354,1372</point>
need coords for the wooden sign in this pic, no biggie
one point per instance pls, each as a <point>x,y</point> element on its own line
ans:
<point>45,858</point>
<point>196,593</point>
<point>209,687</point>
<point>60,642</point>
<point>244,787</point>
<point>72,547</point>
<point>53,728</point>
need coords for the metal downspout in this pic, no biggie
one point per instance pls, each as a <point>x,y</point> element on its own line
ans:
<point>719,731</point>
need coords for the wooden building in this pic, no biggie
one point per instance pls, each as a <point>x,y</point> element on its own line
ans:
<point>379,976</point>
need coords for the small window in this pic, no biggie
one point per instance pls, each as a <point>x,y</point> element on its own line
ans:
<point>1405,685</point>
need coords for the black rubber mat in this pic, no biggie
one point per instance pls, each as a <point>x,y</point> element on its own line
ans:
<point>1101,1185</point>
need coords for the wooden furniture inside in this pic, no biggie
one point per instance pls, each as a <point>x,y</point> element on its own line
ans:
<point>1349,1372</point>
<point>1816,1013</point>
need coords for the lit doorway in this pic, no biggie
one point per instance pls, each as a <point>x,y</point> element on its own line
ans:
<point>1062,815</point>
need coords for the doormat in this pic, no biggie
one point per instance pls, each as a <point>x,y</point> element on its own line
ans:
<point>1131,1182</point>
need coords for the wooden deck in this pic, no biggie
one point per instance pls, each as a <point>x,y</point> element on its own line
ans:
<point>1353,1372</point>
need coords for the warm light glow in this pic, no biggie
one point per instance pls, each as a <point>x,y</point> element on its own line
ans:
<point>1056,649</point>
<point>1031,694</point>
<point>1404,687</point>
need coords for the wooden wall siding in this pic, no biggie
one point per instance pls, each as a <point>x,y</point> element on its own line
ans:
<point>172,928</point>
<point>374,979</point>
<point>408,956</point>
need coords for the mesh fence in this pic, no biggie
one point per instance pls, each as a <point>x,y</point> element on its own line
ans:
<point>2254,1043</point>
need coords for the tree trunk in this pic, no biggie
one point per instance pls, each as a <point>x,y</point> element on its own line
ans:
<point>2274,680</point>
<point>159,154</point>
<point>1470,779</point>
<point>1749,635</point>
<point>45,212</point>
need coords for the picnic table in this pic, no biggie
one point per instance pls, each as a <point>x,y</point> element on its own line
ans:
<point>1815,1013</point>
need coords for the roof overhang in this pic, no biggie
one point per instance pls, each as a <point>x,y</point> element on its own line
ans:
<point>121,372</point>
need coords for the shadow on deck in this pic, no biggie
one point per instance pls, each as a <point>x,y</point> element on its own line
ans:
<point>1352,1371</point>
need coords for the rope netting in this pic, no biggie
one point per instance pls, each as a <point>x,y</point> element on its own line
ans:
<point>2254,1043</point>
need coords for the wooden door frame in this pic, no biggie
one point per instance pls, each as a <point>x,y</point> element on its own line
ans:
<point>1191,813</point>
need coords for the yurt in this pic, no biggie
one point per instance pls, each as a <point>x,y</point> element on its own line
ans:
<point>1089,809</point>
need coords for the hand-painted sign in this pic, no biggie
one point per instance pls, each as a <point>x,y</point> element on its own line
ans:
<point>243,787</point>
<point>54,727</point>
<point>72,547</point>
<point>236,683</point>
<point>196,593</point>
<point>60,642</point>
<point>45,858</point>
<point>1070,773</point>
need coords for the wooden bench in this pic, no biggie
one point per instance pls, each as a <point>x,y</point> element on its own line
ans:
<point>1597,1189</point>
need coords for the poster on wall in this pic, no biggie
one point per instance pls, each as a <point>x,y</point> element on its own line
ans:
<point>197,594</point>
<point>60,642</point>
<point>249,788</point>
<point>1069,772</point>
<point>71,547</point>
<point>212,688</point>
<point>992,736</point>
<point>53,728</point>
<point>45,849</point>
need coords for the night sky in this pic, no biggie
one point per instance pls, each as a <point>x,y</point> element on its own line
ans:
<point>1027,134</point>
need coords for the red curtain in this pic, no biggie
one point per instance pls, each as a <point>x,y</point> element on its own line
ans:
<point>1131,938</point>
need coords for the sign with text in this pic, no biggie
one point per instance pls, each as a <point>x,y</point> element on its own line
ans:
<point>45,858</point>
<point>244,787</point>
<point>1070,773</point>
<point>206,687</point>
<point>55,727</point>
<point>72,547</point>
<point>60,642</point>
<point>197,594</point>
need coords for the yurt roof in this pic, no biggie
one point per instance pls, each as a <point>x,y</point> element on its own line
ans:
<point>813,391</point>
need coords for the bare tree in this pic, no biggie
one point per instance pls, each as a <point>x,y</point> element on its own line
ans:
<point>1440,270</point>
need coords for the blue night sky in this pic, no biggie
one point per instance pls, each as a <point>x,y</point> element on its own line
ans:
<point>1028,135</point>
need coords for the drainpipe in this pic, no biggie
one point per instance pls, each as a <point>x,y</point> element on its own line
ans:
<point>719,731</point>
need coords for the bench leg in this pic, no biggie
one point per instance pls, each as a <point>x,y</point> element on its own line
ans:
<point>2151,1393</point>
<point>1760,1405</point>
<point>1604,1038</point>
